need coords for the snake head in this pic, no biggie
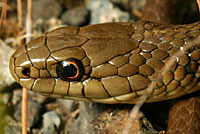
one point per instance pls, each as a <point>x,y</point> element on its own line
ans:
<point>77,63</point>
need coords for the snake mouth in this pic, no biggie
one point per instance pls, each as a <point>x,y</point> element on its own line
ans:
<point>127,98</point>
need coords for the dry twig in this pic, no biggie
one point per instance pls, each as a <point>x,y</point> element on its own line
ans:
<point>25,91</point>
<point>19,12</point>
<point>3,13</point>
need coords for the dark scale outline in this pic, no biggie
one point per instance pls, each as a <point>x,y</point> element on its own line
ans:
<point>138,89</point>
<point>67,47</point>
<point>118,56</point>
<point>164,91</point>
<point>190,84</point>
<point>33,84</point>
<point>29,57</point>
<point>49,54</point>
<point>53,86</point>
<point>174,88</point>
<point>83,91</point>
<point>15,68</point>
<point>67,94</point>
<point>105,89</point>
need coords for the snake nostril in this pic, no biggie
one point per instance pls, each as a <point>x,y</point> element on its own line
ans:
<point>26,71</point>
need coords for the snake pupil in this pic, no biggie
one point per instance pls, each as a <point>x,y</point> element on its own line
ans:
<point>26,71</point>
<point>70,70</point>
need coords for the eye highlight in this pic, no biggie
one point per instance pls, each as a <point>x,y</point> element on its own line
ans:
<point>70,70</point>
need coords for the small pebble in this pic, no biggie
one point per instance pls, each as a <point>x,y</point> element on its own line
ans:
<point>51,122</point>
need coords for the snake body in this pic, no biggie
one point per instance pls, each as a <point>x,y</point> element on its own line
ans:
<point>121,62</point>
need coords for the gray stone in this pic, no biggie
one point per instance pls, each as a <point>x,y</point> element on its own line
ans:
<point>6,78</point>
<point>95,118</point>
<point>104,11</point>
<point>17,96</point>
<point>34,109</point>
<point>62,107</point>
<point>51,122</point>
<point>76,16</point>
<point>66,105</point>
<point>87,113</point>
<point>12,127</point>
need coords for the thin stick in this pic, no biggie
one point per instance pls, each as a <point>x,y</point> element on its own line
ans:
<point>3,13</point>
<point>25,91</point>
<point>19,12</point>
<point>29,20</point>
<point>24,110</point>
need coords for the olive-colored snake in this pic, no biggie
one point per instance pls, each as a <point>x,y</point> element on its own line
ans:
<point>112,62</point>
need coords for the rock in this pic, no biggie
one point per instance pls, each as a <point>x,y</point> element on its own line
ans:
<point>17,97</point>
<point>96,118</point>
<point>104,11</point>
<point>51,123</point>
<point>5,97</point>
<point>46,9</point>
<point>62,106</point>
<point>87,113</point>
<point>76,16</point>
<point>6,78</point>
<point>117,121</point>
<point>12,129</point>
<point>34,109</point>
<point>12,126</point>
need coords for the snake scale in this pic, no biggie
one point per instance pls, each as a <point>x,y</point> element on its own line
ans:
<point>112,62</point>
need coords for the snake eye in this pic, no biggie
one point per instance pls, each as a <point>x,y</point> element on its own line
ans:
<point>26,71</point>
<point>70,70</point>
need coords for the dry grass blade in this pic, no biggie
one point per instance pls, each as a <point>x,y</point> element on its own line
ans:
<point>133,116</point>
<point>29,21</point>
<point>3,13</point>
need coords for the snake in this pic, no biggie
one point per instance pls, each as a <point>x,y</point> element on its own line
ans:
<point>116,62</point>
